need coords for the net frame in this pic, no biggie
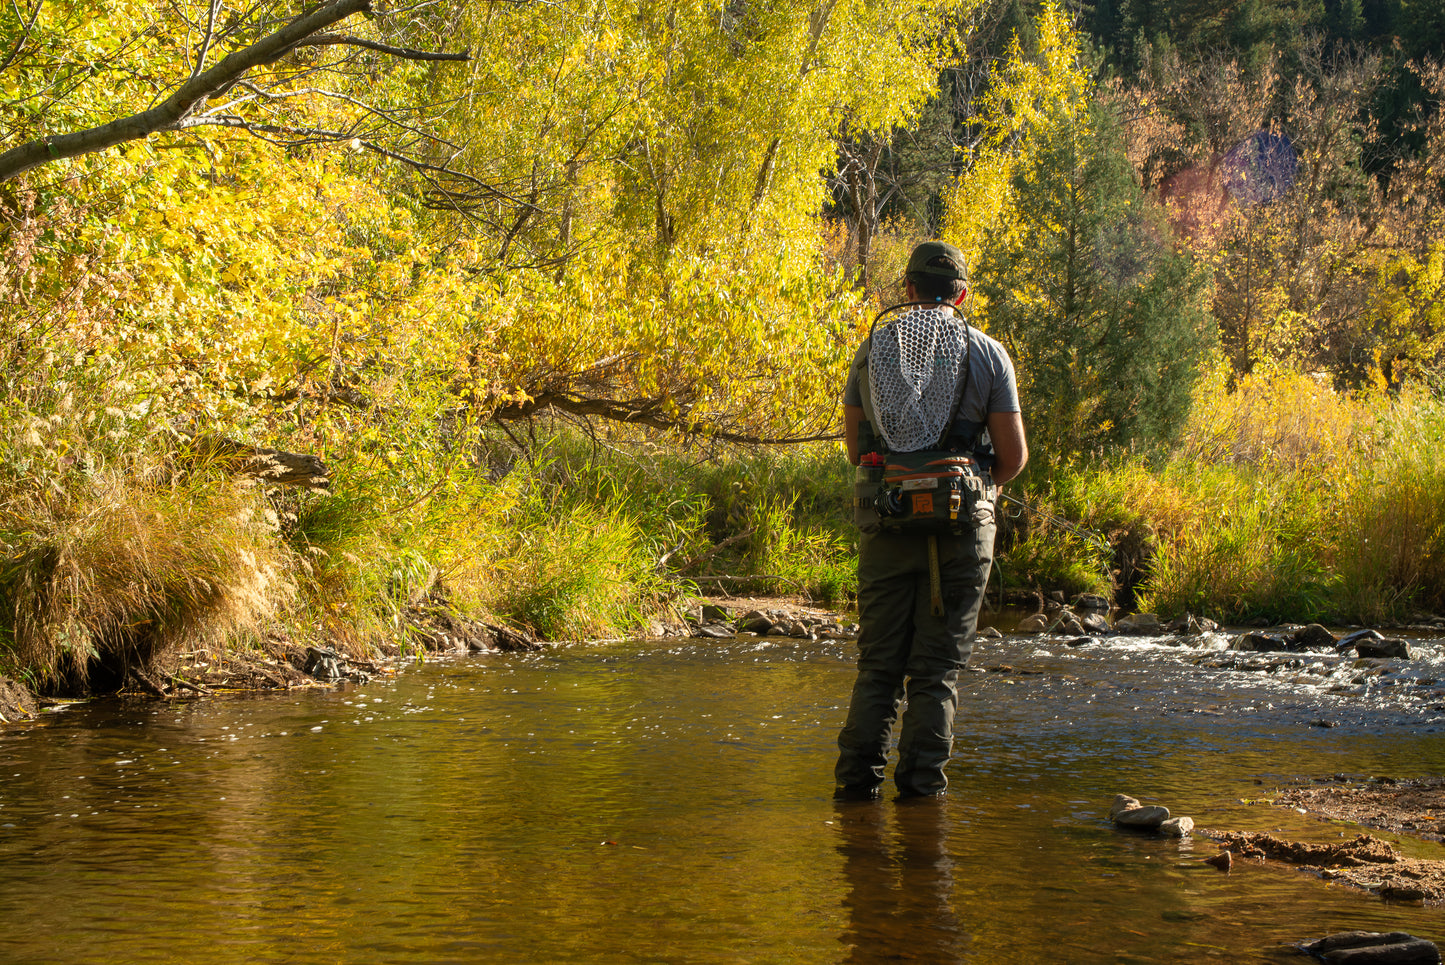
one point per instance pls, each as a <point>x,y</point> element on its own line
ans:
<point>916,389</point>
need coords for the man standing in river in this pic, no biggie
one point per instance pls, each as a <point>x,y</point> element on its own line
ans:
<point>905,646</point>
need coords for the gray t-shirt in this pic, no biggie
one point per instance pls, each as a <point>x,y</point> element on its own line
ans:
<point>991,383</point>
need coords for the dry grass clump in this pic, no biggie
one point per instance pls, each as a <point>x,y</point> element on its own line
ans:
<point>107,584</point>
<point>1320,505</point>
<point>1272,419</point>
<point>1391,554</point>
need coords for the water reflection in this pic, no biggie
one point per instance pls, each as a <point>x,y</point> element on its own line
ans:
<point>898,872</point>
<point>670,802</point>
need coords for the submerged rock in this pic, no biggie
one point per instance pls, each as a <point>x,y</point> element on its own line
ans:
<point>1373,948</point>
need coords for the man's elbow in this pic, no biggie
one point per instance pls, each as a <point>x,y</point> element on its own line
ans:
<point>1011,449</point>
<point>1007,465</point>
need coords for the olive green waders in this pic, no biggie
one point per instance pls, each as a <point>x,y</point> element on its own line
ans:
<point>901,639</point>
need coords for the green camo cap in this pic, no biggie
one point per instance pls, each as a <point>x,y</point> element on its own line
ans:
<point>918,262</point>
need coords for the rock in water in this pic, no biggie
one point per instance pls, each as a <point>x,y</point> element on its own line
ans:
<point>1139,623</point>
<point>1122,802</point>
<point>1259,643</point>
<point>1399,649</point>
<point>1035,623</point>
<point>1222,861</point>
<point>1069,625</point>
<point>1177,827</point>
<point>1349,641</point>
<point>1150,816</point>
<point>1373,948</point>
<point>1314,637</point>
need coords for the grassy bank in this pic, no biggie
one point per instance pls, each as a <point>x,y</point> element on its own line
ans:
<point>1282,501</point>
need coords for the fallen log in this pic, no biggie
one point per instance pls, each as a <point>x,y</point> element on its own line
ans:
<point>273,466</point>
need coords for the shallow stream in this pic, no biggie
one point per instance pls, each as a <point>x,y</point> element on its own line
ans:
<point>670,802</point>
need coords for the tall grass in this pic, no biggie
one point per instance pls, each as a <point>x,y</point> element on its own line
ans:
<point>1284,500</point>
<point>115,550</point>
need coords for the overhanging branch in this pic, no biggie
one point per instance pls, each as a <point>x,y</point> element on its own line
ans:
<point>404,53</point>
<point>174,112</point>
<point>646,412</point>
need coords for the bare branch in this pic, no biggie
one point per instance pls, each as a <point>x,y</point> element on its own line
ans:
<point>405,53</point>
<point>211,10</point>
<point>24,35</point>
<point>173,111</point>
<point>297,136</point>
<point>647,412</point>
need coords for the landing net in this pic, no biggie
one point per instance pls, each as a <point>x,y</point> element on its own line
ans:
<point>914,367</point>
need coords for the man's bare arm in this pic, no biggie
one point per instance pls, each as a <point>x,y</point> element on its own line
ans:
<point>1011,449</point>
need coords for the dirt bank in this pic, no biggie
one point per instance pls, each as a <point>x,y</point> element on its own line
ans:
<point>1365,862</point>
<point>1415,808</point>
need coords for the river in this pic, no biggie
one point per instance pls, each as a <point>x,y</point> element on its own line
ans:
<point>670,802</point>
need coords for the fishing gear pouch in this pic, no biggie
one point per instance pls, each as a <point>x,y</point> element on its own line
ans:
<point>931,491</point>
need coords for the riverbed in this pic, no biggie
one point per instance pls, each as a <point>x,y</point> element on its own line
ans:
<point>669,801</point>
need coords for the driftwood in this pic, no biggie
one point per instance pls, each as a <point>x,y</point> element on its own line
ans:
<point>268,465</point>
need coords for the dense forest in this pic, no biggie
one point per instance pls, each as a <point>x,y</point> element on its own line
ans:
<point>556,297</point>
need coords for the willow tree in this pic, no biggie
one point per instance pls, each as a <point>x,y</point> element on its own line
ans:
<point>656,224</point>
<point>1075,268</point>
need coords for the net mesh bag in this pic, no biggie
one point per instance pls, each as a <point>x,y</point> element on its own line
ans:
<point>914,367</point>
